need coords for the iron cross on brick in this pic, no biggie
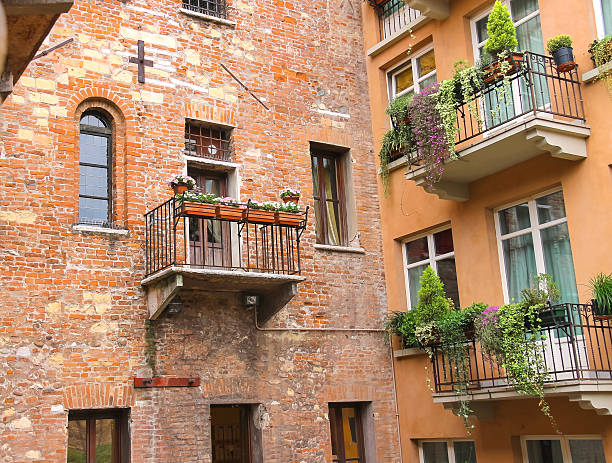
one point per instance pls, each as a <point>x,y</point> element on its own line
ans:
<point>141,61</point>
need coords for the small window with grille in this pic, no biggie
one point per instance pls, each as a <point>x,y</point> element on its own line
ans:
<point>216,8</point>
<point>207,141</point>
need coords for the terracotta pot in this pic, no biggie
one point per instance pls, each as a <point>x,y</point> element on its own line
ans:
<point>261,216</point>
<point>292,219</point>
<point>180,188</point>
<point>291,199</point>
<point>199,209</point>
<point>564,59</point>
<point>492,72</point>
<point>230,212</point>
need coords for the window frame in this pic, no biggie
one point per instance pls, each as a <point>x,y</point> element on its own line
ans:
<point>338,160</point>
<point>600,24</point>
<point>106,132</point>
<point>221,12</point>
<point>411,61</point>
<point>450,447</point>
<point>433,259</point>
<point>565,446</point>
<point>535,229</point>
<point>121,451</point>
<point>191,125</point>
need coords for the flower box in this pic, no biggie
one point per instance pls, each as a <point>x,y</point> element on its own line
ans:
<point>261,216</point>
<point>493,73</point>
<point>230,212</point>
<point>292,219</point>
<point>199,209</point>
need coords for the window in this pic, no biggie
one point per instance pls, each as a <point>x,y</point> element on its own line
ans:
<point>571,449</point>
<point>414,75</point>
<point>346,429</point>
<point>533,238</point>
<point>447,452</point>
<point>207,141</point>
<point>603,16</point>
<point>95,169</point>
<point>98,436</point>
<point>328,192</point>
<point>436,250</point>
<point>217,8</point>
<point>230,427</point>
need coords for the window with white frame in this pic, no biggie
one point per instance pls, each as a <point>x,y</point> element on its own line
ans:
<point>437,250</point>
<point>533,238</point>
<point>603,17</point>
<point>447,451</point>
<point>413,75</point>
<point>565,449</point>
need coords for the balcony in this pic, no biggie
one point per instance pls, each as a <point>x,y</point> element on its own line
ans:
<point>238,249</point>
<point>396,20</point>
<point>577,352</point>
<point>540,111</point>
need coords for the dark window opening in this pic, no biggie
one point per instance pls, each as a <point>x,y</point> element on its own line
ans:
<point>99,436</point>
<point>95,170</point>
<point>329,200</point>
<point>207,142</point>
<point>217,8</point>
<point>347,433</point>
<point>231,433</point>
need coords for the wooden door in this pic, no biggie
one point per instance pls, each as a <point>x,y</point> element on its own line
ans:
<point>346,433</point>
<point>230,434</point>
<point>210,240</point>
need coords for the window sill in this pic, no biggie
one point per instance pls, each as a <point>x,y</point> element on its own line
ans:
<point>347,249</point>
<point>212,163</point>
<point>593,74</point>
<point>408,353</point>
<point>99,230</point>
<point>207,17</point>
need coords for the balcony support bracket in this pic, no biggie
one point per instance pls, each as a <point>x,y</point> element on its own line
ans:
<point>446,190</point>
<point>273,302</point>
<point>435,9</point>
<point>160,294</point>
<point>559,144</point>
<point>601,402</point>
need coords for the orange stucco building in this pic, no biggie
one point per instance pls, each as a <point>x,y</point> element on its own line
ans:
<point>537,181</point>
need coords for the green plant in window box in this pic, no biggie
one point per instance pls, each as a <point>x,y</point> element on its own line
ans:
<point>403,325</point>
<point>601,289</point>
<point>601,54</point>
<point>543,294</point>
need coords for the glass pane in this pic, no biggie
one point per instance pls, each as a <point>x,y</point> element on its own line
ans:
<point>77,439</point>
<point>329,177</point>
<point>587,451</point>
<point>349,427</point>
<point>435,452</point>
<point>315,177</point>
<point>194,229</point>
<point>334,234</point>
<point>522,8</point>
<point>93,181</point>
<point>93,211</point>
<point>404,80</point>
<point>426,63</point>
<point>92,120</point>
<point>105,436</point>
<point>414,281</point>
<point>93,149</point>
<point>544,451</point>
<point>448,274</point>
<point>213,231</point>
<point>550,207</point>
<point>559,262</point>
<point>417,250</point>
<point>519,259</point>
<point>481,29</point>
<point>606,6</point>
<point>514,219</point>
<point>529,36</point>
<point>318,223</point>
<point>465,452</point>
<point>443,242</point>
<point>428,81</point>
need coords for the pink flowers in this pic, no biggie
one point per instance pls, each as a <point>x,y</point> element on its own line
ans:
<point>488,316</point>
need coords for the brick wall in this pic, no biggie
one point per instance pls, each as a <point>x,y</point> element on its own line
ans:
<point>72,329</point>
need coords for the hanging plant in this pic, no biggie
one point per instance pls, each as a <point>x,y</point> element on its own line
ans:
<point>601,54</point>
<point>398,139</point>
<point>468,81</point>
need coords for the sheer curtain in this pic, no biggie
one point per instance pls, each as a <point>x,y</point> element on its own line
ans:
<point>520,263</point>
<point>606,7</point>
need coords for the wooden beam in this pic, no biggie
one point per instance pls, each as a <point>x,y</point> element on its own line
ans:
<point>161,294</point>
<point>36,7</point>
<point>166,382</point>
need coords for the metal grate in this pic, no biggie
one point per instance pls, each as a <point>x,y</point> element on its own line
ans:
<point>217,8</point>
<point>207,142</point>
<point>394,16</point>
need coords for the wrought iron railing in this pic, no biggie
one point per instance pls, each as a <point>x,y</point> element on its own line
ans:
<point>575,344</point>
<point>176,236</point>
<point>217,8</point>
<point>393,16</point>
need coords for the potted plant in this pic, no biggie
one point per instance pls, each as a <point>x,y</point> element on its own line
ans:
<point>402,325</point>
<point>560,47</point>
<point>469,315</point>
<point>601,289</point>
<point>289,195</point>
<point>230,209</point>
<point>181,183</point>
<point>199,204</point>
<point>542,295</point>
<point>432,305</point>
<point>501,45</point>
<point>264,213</point>
<point>289,214</point>
<point>601,51</point>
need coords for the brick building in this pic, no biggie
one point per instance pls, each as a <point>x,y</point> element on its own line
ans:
<point>105,310</point>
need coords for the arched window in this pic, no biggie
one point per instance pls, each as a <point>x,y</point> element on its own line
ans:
<point>95,169</point>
